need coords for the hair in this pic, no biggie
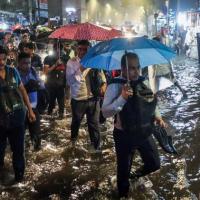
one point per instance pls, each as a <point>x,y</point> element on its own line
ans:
<point>30,45</point>
<point>157,38</point>
<point>128,55</point>
<point>56,45</point>
<point>23,55</point>
<point>6,33</point>
<point>14,51</point>
<point>83,42</point>
<point>3,50</point>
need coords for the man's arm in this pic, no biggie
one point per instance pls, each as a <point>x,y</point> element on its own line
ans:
<point>40,64</point>
<point>24,94</point>
<point>158,118</point>
<point>113,101</point>
<point>48,69</point>
<point>73,72</point>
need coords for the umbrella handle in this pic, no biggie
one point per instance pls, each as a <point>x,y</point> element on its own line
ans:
<point>127,71</point>
<point>58,48</point>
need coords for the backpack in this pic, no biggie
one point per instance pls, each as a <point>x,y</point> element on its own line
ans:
<point>137,114</point>
<point>96,82</point>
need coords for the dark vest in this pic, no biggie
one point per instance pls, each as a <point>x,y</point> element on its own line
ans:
<point>12,110</point>
<point>137,115</point>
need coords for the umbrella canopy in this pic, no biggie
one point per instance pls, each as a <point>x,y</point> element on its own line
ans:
<point>44,29</point>
<point>17,27</point>
<point>84,31</point>
<point>107,55</point>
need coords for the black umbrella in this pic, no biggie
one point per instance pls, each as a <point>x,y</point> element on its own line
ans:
<point>164,140</point>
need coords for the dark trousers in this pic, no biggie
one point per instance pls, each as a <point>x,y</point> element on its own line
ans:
<point>102,119</point>
<point>92,109</point>
<point>15,137</point>
<point>56,93</point>
<point>34,127</point>
<point>125,151</point>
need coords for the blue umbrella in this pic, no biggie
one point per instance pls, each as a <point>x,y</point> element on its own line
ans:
<point>107,55</point>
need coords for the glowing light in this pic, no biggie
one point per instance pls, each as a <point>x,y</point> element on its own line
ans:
<point>128,35</point>
<point>3,26</point>
<point>108,5</point>
<point>69,10</point>
<point>50,52</point>
<point>43,77</point>
<point>182,19</point>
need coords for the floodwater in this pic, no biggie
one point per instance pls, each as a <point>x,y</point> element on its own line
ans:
<point>60,171</point>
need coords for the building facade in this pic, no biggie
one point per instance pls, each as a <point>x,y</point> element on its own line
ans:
<point>67,11</point>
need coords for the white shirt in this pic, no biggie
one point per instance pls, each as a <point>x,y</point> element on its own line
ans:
<point>77,80</point>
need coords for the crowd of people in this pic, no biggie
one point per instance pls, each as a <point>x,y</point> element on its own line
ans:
<point>93,93</point>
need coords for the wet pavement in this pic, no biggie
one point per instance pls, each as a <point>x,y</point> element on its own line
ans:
<point>61,171</point>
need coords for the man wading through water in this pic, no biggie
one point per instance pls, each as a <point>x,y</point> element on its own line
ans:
<point>12,116</point>
<point>135,111</point>
<point>83,101</point>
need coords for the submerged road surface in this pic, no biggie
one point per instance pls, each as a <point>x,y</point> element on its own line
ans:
<point>59,171</point>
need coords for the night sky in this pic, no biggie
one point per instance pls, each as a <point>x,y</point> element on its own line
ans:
<point>184,4</point>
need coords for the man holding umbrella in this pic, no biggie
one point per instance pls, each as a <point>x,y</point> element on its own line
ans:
<point>54,68</point>
<point>134,107</point>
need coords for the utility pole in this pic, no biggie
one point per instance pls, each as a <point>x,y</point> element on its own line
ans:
<point>30,8</point>
<point>38,5</point>
<point>177,7</point>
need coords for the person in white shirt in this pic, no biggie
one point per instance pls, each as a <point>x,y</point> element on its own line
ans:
<point>134,108</point>
<point>82,99</point>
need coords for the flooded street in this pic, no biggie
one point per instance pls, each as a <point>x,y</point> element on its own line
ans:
<point>60,171</point>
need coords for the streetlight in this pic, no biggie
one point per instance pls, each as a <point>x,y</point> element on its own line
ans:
<point>108,5</point>
<point>70,10</point>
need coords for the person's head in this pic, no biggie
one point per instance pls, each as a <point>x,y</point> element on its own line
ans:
<point>82,48</point>
<point>12,54</point>
<point>25,37</point>
<point>7,36</point>
<point>24,61</point>
<point>3,57</point>
<point>157,38</point>
<point>30,48</point>
<point>67,48</point>
<point>132,60</point>
<point>10,46</point>
<point>56,47</point>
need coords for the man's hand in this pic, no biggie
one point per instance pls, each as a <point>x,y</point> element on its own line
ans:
<point>82,68</point>
<point>160,122</point>
<point>31,116</point>
<point>59,62</point>
<point>103,89</point>
<point>126,92</point>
